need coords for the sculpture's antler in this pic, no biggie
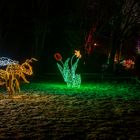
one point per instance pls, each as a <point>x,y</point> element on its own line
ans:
<point>31,60</point>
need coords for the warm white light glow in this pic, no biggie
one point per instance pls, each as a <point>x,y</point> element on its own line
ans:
<point>4,61</point>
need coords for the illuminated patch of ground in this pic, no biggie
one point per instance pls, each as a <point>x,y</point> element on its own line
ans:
<point>87,90</point>
<point>104,111</point>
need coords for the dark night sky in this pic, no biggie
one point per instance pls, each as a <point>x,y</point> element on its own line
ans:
<point>17,23</point>
<point>15,28</point>
<point>65,24</point>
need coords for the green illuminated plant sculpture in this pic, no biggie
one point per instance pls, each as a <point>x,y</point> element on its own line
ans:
<point>68,71</point>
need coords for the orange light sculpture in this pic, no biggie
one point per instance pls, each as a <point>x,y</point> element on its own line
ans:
<point>10,77</point>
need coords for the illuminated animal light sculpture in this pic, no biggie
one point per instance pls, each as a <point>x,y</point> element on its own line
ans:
<point>17,71</point>
<point>68,70</point>
<point>11,76</point>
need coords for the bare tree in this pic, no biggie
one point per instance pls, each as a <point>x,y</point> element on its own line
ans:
<point>119,19</point>
<point>124,24</point>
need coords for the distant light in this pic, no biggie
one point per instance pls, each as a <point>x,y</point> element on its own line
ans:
<point>138,47</point>
<point>128,64</point>
<point>95,44</point>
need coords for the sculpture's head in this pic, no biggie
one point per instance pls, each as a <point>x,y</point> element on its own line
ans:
<point>26,66</point>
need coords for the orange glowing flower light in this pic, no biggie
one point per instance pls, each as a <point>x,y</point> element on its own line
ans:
<point>77,54</point>
<point>58,56</point>
<point>128,64</point>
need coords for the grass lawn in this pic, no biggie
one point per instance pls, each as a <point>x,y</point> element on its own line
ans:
<point>96,110</point>
<point>97,90</point>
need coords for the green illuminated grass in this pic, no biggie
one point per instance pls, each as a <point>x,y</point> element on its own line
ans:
<point>88,90</point>
<point>102,110</point>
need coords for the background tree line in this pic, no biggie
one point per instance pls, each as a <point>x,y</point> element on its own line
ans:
<point>40,28</point>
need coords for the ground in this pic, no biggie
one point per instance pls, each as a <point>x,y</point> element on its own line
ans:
<point>41,111</point>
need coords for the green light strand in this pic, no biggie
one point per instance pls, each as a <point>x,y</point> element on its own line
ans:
<point>69,73</point>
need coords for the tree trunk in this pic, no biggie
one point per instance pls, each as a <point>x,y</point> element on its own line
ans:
<point>114,48</point>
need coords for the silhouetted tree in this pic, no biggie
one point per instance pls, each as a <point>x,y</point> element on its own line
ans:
<point>117,20</point>
<point>124,24</point>
<point>39,15</point>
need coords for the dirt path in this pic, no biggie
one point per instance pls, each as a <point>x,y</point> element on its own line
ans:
<point>60,117</point>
